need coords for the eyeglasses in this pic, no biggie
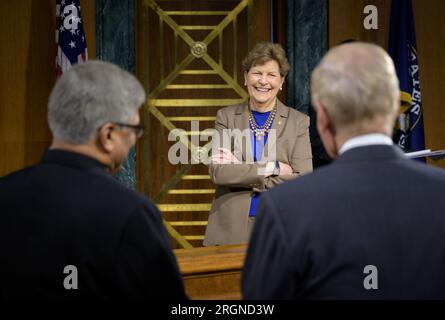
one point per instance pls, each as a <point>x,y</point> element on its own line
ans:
<point>138,129</point>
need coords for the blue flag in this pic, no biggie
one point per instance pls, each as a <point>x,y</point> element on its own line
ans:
<point>408,133</point>
<point>70,38</point>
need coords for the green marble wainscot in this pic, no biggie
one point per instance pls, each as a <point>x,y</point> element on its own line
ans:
<point>307,41</point>
<point>115,42</point>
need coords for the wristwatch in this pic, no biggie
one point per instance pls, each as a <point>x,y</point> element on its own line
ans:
<point>276,170</point>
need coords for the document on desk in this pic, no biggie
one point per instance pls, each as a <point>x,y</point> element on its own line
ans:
<point>426,153</point>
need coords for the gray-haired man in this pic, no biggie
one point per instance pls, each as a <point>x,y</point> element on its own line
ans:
<point>368,226</point>
<point>67,229</point>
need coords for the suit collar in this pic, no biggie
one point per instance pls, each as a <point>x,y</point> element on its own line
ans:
<point>242,107</point>
<point>72,159</point>
<point>366,140</point>
<point>242,116</point>
<point>280,118</point>
<point>372,153</point>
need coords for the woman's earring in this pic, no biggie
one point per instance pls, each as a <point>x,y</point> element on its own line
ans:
<point>281,88</point>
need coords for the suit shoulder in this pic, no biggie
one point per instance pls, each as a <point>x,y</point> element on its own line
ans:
<point>16,176</point>
<point>434,173</point>
<point>298,116</point>
<point>230,110</point>
<point>17,173</point>
<point>127,195</point>
<point>120,203</point>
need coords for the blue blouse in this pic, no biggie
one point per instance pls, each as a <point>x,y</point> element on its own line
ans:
<point>258,146</point>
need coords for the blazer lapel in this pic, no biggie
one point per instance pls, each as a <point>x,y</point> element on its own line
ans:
<point>243,143</point>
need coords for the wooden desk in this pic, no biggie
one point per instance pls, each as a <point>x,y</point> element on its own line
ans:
<point>212,272</point>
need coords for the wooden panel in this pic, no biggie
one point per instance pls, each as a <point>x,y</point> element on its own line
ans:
<point>430,32</point>
<point>212,272</point>
<point>184,87</point>
<point>14,48</point>
<point>89,16</point>
<point>346,22</point>
<point>214,286</point>
<point>27,53</point>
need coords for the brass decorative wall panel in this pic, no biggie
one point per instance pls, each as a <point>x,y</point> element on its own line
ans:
<point>190,54</point>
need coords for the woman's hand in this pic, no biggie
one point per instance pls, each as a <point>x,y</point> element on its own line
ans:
<point>224,156</point>
<point>285,169</point>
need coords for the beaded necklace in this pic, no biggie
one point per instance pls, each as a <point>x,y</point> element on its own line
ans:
<point>261,131</point>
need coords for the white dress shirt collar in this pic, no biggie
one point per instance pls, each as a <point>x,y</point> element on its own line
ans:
<point>365,140</point>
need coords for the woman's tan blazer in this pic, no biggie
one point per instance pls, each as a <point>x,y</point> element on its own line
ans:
<point>229,221</point>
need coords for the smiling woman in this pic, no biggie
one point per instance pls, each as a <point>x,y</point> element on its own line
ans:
<point>271,145</point>
<point>263,83</point>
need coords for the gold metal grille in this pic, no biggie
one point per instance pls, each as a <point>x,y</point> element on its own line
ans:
<point>157,105</point>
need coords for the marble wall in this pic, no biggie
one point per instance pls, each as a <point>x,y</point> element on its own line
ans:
<point>115,42</point>
<point>307,41</point>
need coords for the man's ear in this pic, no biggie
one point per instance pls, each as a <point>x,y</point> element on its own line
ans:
<point>322,117</point>
<point>397,108</point>
<point>326,129</point>
<point>105,137</point>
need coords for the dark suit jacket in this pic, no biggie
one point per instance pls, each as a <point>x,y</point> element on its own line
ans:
<point>69,211</point>
<point>314,236</point>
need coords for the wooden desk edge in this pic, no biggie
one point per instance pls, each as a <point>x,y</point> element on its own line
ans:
<point>216,259</point>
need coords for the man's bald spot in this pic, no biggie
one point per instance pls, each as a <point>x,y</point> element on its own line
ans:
<point>356,55</point>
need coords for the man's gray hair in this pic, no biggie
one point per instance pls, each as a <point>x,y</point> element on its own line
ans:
<point>357,84</point>
<point>90,95</point>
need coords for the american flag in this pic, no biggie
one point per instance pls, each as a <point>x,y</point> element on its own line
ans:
<point>70,38</point>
